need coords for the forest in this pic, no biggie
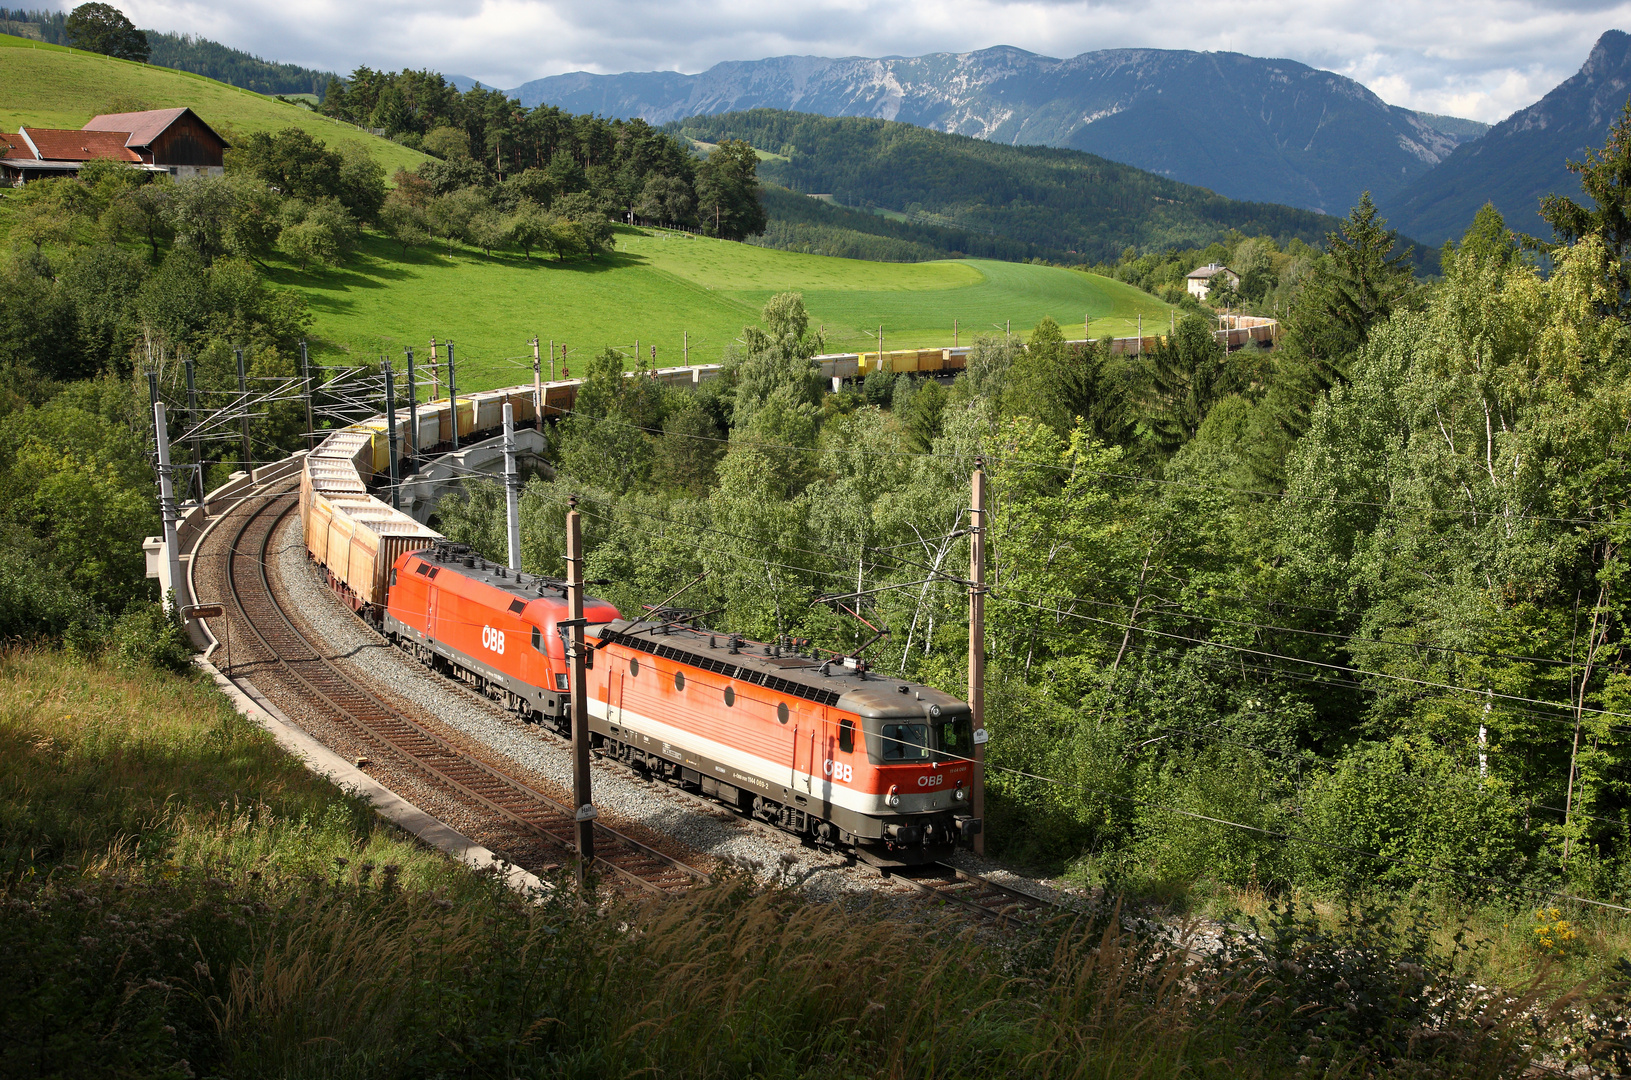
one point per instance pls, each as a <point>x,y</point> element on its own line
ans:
<point>485,141</point>
<point>184,52</point>
<point>1066,206</point>
<point>1345,615</point>
<point>1342,613</point>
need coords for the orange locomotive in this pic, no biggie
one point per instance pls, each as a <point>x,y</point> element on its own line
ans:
<point>822,748</point>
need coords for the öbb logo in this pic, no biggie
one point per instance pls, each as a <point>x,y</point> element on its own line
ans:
<point>492,640</point>
<point>931,781</point>
<point>839,771</point>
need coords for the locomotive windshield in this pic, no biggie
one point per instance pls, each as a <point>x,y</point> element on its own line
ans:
<point>905,743</point>
<point>954,739</point>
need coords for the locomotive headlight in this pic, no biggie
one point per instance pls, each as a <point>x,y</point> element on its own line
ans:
<point>894,795</point>
<point>960,794</point>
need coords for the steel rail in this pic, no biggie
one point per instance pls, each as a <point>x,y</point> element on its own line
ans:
<point>351,702</point>
<point>978,894</point>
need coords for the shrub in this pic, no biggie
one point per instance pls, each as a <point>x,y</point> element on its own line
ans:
<point>146,636</point>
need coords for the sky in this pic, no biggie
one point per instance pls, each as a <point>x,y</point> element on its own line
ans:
<point>1481,59</point>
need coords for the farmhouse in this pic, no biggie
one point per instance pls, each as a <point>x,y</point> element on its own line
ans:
<point>173,141</point>
<point>1200,279</point>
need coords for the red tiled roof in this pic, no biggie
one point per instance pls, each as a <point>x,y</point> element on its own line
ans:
<point>143,127</point>
<point>55,144</point>
<point>13,146</point>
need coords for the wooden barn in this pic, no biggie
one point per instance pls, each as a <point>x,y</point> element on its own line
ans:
<point>175,141</point>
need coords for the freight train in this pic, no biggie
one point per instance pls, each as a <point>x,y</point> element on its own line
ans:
<point>810,742</point>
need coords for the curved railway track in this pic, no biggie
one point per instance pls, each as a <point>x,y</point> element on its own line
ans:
<point>283,647</point>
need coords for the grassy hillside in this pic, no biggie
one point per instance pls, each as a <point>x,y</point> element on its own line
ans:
<point>659,284</point>
<point>50,86</point>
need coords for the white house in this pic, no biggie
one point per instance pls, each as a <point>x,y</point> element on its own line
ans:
<point>1200,279</point>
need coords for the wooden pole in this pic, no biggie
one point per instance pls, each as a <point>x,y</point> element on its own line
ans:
<point>305,377</point>
<point>435,377</point>
<point>512,491</point>
<point>686,346</point>
<point>243,403</point>
<point>581,796</point>
<point>976,646</point>
<point>413,420</point>
<point>954,333</point>
<point>537,389</point>
<point>390,432</point>
<point>453,395</point>
<point>551,359</point>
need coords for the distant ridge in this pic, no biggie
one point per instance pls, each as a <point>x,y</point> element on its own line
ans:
<point>1523,158</point>
<point>1248,128</point>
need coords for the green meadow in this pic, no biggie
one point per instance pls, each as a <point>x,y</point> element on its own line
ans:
<point>49,86</point>
<point>663,288</point>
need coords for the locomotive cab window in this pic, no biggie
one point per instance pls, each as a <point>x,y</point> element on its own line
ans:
<point>905,743</point>
<point>846,735</point>
<point>537,639</point>
<point>954,739</point>
<point>393,575</point>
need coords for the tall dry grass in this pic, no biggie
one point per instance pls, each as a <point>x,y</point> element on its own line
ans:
<point>130,773</point>
<point>179,899</point>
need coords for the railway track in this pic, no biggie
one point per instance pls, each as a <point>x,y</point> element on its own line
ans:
<point>977,894</point>
<point>284,648</point>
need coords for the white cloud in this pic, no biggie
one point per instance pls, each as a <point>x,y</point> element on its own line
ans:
<point>1478,59</point>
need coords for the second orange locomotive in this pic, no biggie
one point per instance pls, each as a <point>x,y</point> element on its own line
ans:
<point>823,748</point>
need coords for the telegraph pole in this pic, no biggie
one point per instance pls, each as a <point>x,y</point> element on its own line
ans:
<point>243,403</point>
<point>413,419</point>
<point>453,395</point>
<point>512,489</point>
<point>153,400</point>
<point>192,394</point>
<point>305,375</point>
<point>192,422</point>
<point>390,431</point>
<point>976,645</point>
<point>537,389</point>
<point>579,689</point>
<point>167,508</point>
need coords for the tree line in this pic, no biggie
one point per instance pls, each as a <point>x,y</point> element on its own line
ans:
<point>1062,205</point>
<point>184,52</point>
<point>484,140</point>
<point>1366,591</point>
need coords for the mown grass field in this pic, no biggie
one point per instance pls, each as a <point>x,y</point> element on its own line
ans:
<point>659,286</point>
<point>49,86</point>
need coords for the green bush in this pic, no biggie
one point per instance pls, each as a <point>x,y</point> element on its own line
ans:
<point>1410,800</point>
<point>146,636</point>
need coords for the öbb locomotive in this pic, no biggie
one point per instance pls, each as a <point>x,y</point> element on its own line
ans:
<point>822,748</point>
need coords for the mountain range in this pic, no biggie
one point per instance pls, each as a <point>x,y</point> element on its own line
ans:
<point>1245,127</point>
<point>1524,157</point>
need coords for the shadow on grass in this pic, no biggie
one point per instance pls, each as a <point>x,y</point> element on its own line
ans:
<point>380,263</point>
